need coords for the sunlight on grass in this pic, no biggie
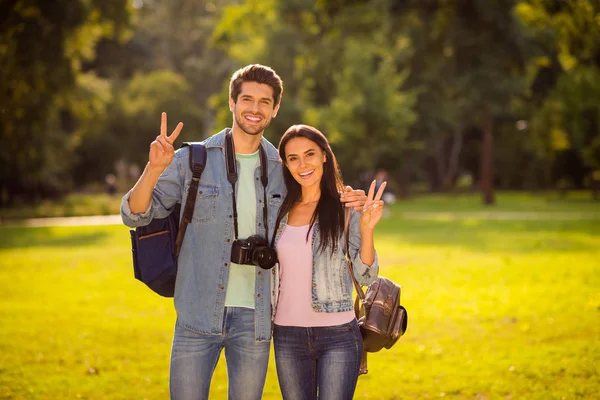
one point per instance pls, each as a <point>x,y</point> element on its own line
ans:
<point>497,309</point>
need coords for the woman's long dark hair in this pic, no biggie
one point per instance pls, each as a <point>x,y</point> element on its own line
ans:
<point>329,211</point>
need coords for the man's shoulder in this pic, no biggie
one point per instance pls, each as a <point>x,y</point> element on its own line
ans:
<point>271,150</point>
<point>216,140</point>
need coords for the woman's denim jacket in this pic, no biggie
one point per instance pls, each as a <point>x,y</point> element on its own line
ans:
<point>331,282</point>
<point>204,259</point>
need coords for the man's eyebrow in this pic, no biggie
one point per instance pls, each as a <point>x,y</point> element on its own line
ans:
<point>270,100</point>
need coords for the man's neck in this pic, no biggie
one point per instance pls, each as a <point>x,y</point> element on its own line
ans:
<point>244,143</point>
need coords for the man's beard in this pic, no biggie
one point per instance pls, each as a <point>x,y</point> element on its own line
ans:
<point>252,130</point>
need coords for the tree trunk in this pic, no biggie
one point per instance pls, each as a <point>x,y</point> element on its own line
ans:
<point>403,178</point>
<point>440,163</point>
<point>450,181</point>
<point>487,167</point>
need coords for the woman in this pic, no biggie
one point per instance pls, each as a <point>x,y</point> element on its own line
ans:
<point>317,342</point>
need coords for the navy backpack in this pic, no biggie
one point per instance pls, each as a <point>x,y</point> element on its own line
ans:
<point>155,247</point>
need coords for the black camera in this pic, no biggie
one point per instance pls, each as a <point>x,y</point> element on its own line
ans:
<point>253,251</point>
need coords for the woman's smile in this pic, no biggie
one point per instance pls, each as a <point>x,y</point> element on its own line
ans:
<point>306,175</point>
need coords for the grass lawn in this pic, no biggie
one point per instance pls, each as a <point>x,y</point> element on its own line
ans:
<point>498,309</point>
<point>73,205</point>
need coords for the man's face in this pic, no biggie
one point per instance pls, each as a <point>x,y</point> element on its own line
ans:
<point>254,109</point>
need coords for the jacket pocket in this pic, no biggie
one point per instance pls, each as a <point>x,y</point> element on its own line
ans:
<point>205,208</point>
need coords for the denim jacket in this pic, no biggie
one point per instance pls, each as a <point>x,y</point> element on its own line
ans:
<point>204,258</point>
<point>331,282</point>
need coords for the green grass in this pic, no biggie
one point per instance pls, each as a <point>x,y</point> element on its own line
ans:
<point>73,205</point>
<point>497,310</point>
<point>505,201</point>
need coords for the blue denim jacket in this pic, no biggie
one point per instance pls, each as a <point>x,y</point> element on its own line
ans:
<point>331,282</point>
<point>203,269</point>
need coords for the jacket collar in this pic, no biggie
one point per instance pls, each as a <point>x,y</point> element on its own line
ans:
<point>218,140</point>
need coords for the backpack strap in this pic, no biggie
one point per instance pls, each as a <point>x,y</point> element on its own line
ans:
<point>197,164</point>
<point>360,295</point>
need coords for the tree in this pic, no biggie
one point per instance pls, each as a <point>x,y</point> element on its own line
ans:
<point>565,118</point>
<point>45,44</point>
<point>336,78</point>
<point>177,36</point>
<point>469,51</point>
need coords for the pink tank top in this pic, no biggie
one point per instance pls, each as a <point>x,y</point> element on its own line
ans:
<point>294,307</point>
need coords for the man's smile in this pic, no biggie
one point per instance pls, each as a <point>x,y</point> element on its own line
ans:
<point>253,118</point>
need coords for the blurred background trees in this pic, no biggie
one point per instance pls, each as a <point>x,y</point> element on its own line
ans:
<point>443,95</point>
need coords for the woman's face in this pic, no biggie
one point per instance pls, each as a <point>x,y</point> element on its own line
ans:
<point>305,159</point>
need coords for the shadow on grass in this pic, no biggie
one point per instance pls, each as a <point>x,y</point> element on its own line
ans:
<point>496,236</point>
<point>23,237</point>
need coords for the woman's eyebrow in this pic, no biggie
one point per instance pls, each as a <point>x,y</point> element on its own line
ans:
<point>294,154</point>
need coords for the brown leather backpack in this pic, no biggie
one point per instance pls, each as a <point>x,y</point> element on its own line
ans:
<point>381,319</point>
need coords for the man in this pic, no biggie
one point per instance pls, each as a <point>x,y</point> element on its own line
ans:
<point>220,304</point>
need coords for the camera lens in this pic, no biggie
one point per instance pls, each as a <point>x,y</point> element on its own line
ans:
<point>264,257</point>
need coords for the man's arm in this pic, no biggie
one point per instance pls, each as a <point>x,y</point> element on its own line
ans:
<point>353,198</point>
<point>160,156</point>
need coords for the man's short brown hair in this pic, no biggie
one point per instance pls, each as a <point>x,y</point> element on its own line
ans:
<point>259,74</point>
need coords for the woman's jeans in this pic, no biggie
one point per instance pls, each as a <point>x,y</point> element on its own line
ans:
<point>194,357</point>
<point>320,362</point>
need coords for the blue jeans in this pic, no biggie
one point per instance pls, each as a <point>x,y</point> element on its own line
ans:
<point>318,362</point>
<point>194,357</point>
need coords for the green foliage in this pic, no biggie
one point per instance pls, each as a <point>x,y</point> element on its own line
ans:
<point>404,86</point>
<point>565,122</point>
<point>177,35</point>
<point>368,117</point>
<point>571,28</point>
<point>335,78</point>
<point>44,44</point>
<point>140,105</point>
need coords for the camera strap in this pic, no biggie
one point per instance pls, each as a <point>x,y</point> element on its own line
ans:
<point>232,178</point>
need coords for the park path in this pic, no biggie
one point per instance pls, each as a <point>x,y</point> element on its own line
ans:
<point>504,215</point>
<point>74,221</point>
<point>412,215</point>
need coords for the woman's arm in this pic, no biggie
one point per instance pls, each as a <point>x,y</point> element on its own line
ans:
<point>367,246</point>
<point>369,217</point>
<point>365,268</point>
